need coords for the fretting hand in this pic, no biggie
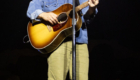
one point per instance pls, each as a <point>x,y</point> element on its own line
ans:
<point>93,3</point>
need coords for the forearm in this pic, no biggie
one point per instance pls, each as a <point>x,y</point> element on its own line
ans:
<point>92,9</point>
<point>90,13</point>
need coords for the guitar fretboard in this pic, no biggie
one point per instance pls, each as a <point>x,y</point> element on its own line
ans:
<point>80,7</point>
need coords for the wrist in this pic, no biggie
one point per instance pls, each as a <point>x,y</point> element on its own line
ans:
<point>40,16</point>
<point>91,10</point>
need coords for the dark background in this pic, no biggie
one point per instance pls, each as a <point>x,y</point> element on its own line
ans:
<point>113,43</point>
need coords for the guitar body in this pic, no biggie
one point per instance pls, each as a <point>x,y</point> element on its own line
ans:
<point>46,37</point>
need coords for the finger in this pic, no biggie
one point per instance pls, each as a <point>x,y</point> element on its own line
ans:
<point>91,4</point>
<point>55,19</point>
<point>89,1</point>
<point>54,15</point>
<point>97,2</point>
<point>93,1</point>
<point>51,21</point>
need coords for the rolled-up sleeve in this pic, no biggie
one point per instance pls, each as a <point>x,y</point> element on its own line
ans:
<point>34,9</point>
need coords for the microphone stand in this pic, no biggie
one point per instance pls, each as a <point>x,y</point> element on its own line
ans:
<point>73,44</point>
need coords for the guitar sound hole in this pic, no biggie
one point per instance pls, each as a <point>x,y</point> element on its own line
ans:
<point>62,17</point>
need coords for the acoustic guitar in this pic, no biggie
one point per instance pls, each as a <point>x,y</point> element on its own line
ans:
<point>45,36</point>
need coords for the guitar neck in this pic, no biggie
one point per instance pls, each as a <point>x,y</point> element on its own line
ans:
<point>80,7</point>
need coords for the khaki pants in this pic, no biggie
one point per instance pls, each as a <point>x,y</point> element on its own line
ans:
<point>60,62</point>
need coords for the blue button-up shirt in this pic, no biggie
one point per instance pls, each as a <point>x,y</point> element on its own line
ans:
<point>37,7</point>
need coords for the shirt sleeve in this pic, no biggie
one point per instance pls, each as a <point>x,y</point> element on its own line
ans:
<point>88,21</point>
<point>34,9</point>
